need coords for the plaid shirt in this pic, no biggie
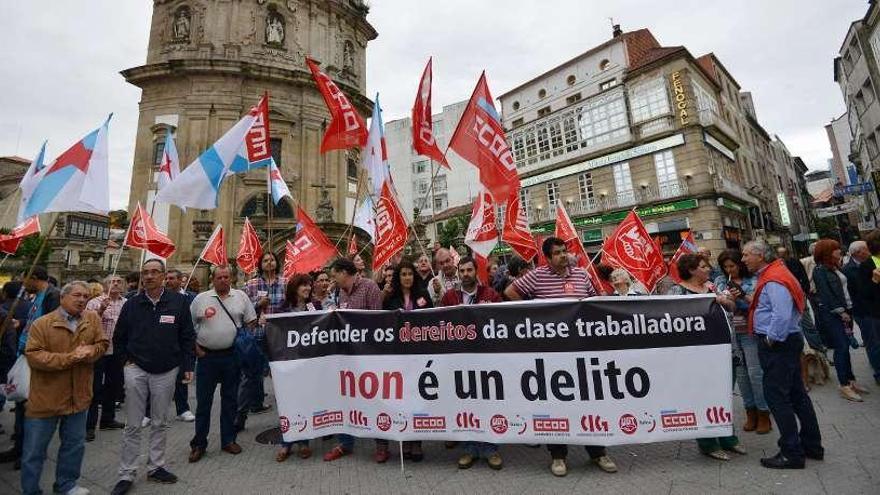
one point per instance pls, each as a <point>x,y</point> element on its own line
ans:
<point>108,317</point>
<point>257,288</point>
<point>364,294</point>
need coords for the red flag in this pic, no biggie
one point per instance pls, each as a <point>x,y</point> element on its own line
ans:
<point>479,138</point>
<point>10,242</point>
<point>259,150</point>
<point>482,232</point>
<point>347,128</point>
<point>391,231</point>
<point>353,245</point>
<point>310,248</point>
<point>604,287</point>
<point>422,124</point>
<point>688,246</point>
<point>482,268</point>
<point>456,258</point>
<point>214,251</point>
<point>249,250</point>
<point>631,247</point>
<point>143,234</point>
<point>516,231</point>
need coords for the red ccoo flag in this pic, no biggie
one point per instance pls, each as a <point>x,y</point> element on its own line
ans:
<point>310,248</point>
<point>347,128</point>
<point>391,230</point>
<point>10,242</point>
<point>688,246</point>
<point>214,251</point>
<point>631,247</point>
<point>353,245</point>
<point>516,231</point>
<point>422,124</point>
<point>143,234</point>
<point>479,138</point>
<point>249,249</point>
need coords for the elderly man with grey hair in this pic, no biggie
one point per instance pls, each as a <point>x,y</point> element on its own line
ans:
<point>61,348</point>
<point>861,302</point>
<point>107,383</point>
<point>774,319</point>
<point>446,279</point>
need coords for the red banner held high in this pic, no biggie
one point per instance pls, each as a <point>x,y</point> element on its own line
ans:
<point>422,123</point>
<point>631,247</point>
<point>214,251</point>
<point>310,249</point>
<point>347,128</point>
<point>391,229</point>
<point>249,249</point>
<point>143,234</point>
<point>516,231</point>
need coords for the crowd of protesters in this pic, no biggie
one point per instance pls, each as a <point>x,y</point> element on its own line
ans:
<point>127,349</point>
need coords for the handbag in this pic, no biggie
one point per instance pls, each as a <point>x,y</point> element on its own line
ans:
<point>248,351</point>
<point>18,380</point>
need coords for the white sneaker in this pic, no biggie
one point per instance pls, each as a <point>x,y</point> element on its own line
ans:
<point>187,416</point>
<point>78,490</point>
<point>558,468</point>
<point>145,422</point>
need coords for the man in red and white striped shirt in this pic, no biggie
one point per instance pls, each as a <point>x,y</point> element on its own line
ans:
<point>559,279</point>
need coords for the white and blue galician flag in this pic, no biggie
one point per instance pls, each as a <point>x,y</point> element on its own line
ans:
<point>78,180</point>
<point>364,218</point>
<point>375,156</point>
<point>198,185</point>
<point>277,187</point>
<point>256,151</point>
<point>169,169</point>
<point>30,180</point>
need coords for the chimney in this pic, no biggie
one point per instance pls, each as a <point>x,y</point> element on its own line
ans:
<point>616,31</point>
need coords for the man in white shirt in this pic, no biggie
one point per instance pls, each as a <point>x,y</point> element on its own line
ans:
<point>217,314</point>
<point>447,279</point>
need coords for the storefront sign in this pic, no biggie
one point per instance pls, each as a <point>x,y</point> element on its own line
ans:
<point>853,189</point>
<point>783,209</point>
<point>836,210</point>
<point>593,235</point>
<point>681,100</point>
<point>732,205</point>
<point>620,156</point>
<point>647,211</point>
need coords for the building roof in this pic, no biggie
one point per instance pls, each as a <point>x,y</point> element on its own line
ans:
<point>455,211</point>
<point>14,158</point>
<point>638,43</point>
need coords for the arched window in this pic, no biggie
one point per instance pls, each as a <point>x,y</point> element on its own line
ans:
<point>258,206</point>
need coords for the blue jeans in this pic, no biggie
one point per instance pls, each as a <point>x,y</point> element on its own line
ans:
<point>787,397</point>
<point>870,328</point>
<point>480,449</point>
<point>211,370</point>
<point>749,375</point>
<point>842,363</point>
<point>38,432</point>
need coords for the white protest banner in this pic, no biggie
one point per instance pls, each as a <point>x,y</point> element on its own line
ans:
<point>602,371</point>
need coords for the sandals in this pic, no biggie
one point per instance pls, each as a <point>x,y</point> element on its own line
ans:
<point>718,455</point>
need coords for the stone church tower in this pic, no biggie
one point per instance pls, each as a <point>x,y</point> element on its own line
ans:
<point>207,63</point>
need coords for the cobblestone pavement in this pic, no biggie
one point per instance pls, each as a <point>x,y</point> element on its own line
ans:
<point>851,434</point>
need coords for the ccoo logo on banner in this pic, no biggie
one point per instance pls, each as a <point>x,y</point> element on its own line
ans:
<point>601,371</point>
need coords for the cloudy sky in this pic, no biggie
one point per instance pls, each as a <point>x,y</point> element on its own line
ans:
<point>61,60</point>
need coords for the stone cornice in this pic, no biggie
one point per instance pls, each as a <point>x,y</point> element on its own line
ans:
<point>146,74</point>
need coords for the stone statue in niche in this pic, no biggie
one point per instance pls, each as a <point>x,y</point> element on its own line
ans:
<point>324,210</point>
<point>182,24</point>
<point>348,55</point>
<point>274,28</point>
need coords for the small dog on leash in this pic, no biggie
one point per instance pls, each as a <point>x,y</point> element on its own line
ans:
<point>814,368</point>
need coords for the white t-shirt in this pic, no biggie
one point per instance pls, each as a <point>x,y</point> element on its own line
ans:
<point>214,329</point>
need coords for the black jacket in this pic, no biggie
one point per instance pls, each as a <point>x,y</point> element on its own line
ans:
<point>156,338</point>
<point>395,301</point>
<point>800,273</point>
<point>870,290</point>
<point>855,289</point>
<point>830,290</point>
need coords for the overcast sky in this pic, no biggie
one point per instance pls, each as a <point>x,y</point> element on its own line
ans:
<point>61,59</point>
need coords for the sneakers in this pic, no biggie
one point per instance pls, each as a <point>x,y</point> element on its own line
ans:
<point>605,464</point>
<point>160,475</point>
<point>858,388</point>
<point>122,487</point>
<point>78,490</point>
<point>187,417</point>
<point>466,461</point>
<point>558,468</point>
<point>848,393</point>
<point>145,422</point>
<point>495,462</point>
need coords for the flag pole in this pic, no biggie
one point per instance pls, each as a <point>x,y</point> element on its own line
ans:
<point>29,272</point>
<point>357,197</point>
<point>433,201</point>
<point>4,259</point>
<point>192,273</point>
<point>433,274</point>
<point>271,201</point>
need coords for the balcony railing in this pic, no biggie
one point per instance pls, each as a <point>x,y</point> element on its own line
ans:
<point>725,185</point>
<point>716,126</point>
<point>654,126</point>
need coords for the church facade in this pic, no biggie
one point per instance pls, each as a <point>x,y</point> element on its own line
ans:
<point>208,63</point>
